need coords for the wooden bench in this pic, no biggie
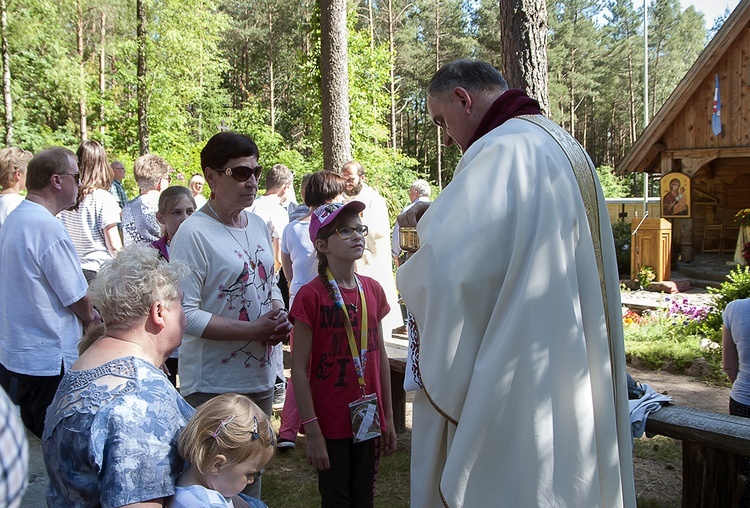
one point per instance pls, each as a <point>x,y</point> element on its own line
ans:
<point>711,443</point>
<point>397,349</point>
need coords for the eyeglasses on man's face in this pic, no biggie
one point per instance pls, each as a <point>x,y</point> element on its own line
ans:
<point>242,173</point>
<point>346,232</point>
<point>76,176</point>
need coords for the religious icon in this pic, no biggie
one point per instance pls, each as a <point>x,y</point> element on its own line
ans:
<point>675,196</point>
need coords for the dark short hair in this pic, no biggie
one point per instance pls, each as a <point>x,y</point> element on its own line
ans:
<point>322,187</point>
<point>227,145</point>
<point>473,75</point>
<point>356,164</point>
<point>46,163</point>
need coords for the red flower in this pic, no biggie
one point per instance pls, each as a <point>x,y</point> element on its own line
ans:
<point>746,252</point>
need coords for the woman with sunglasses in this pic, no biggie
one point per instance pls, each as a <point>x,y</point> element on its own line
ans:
<point>234,308</point>
<point>92,225</point>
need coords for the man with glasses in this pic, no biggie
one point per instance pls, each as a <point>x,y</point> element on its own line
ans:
<point>139,224</point>
<point>116,189</point>
<point>43,302</point>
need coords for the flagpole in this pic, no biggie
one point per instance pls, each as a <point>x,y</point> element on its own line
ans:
<point>645,97</point>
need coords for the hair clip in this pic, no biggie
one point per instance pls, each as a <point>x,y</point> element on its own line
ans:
<point>255,433</point>
<point>222,425</point>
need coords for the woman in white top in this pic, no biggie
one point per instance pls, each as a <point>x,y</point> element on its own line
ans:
<point>92,226</point>
<point>13,162</point>
<point>736,363</point>
<point>300,263</point>
<point>234,308</point>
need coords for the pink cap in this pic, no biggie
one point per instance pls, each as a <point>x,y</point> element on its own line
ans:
<point>324,215</point>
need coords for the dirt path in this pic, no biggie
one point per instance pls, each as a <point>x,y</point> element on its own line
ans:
<point>657,461</point>
<point>685,390</point>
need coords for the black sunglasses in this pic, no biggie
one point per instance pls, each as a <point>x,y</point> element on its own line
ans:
<point>76,176</point>
<point>242,173</point>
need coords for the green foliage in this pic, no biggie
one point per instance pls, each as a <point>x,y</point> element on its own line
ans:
<point>613,185</point>
<point>621,233</point>
<point>658,341</point>
<point>646,275</point>
<point>736,286</point>
<point>208,61</point>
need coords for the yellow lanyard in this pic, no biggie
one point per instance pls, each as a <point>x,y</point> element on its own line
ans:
<point>360,360</point>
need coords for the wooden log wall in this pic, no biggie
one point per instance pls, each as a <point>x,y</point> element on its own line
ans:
<point>729,182</point>
<point>692,126</point>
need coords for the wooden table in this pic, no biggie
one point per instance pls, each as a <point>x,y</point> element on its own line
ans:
<point>397,350</point>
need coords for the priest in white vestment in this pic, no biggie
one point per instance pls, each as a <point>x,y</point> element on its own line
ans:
<point>516,296</point>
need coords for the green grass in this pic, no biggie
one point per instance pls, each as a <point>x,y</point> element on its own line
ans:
<point>289,482</point>
<point>668,453</point>
<point>659,448</point>
<point>659,342</point>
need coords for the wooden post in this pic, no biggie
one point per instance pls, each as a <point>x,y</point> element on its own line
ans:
<point>709,477</point>
<point>711,443</point>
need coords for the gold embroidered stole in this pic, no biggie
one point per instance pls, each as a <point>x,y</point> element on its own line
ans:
<point>585,175</point>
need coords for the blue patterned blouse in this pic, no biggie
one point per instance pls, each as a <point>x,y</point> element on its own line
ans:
<point>110,436</point>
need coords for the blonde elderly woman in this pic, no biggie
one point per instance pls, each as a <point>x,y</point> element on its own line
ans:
<point>92,225</point>
<point>139,224</point>
<point>196,184</point>
<point>111,431</point>
<point>13,163</point>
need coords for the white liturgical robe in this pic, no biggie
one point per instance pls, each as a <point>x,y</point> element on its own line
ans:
<point>521,351</point>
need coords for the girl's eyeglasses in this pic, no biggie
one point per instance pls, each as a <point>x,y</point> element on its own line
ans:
<point>242,173</point>
<point>347,232</point>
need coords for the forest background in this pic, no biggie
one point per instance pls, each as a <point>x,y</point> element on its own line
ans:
<point>71,70</point>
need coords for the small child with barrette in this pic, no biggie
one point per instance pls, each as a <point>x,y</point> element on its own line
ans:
<point>227,443</point>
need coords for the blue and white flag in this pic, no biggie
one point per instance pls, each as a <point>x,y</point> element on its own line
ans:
<point>716,117</point>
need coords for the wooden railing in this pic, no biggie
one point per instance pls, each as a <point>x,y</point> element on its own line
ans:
<point>711,443</point>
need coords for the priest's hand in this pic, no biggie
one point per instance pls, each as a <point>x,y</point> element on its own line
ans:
<point>411,216</point>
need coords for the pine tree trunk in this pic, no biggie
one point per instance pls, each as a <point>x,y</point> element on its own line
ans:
<point>523,26</point>
<point>392,74</point>
<point>102,61</point>
<point>81,74</point>
<point>141,91</point>
<point>6,75</point>
<point>438,131</point>
<point>335,84</point>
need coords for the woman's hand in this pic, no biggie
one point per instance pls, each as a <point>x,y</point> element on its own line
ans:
<point>274,325</point>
